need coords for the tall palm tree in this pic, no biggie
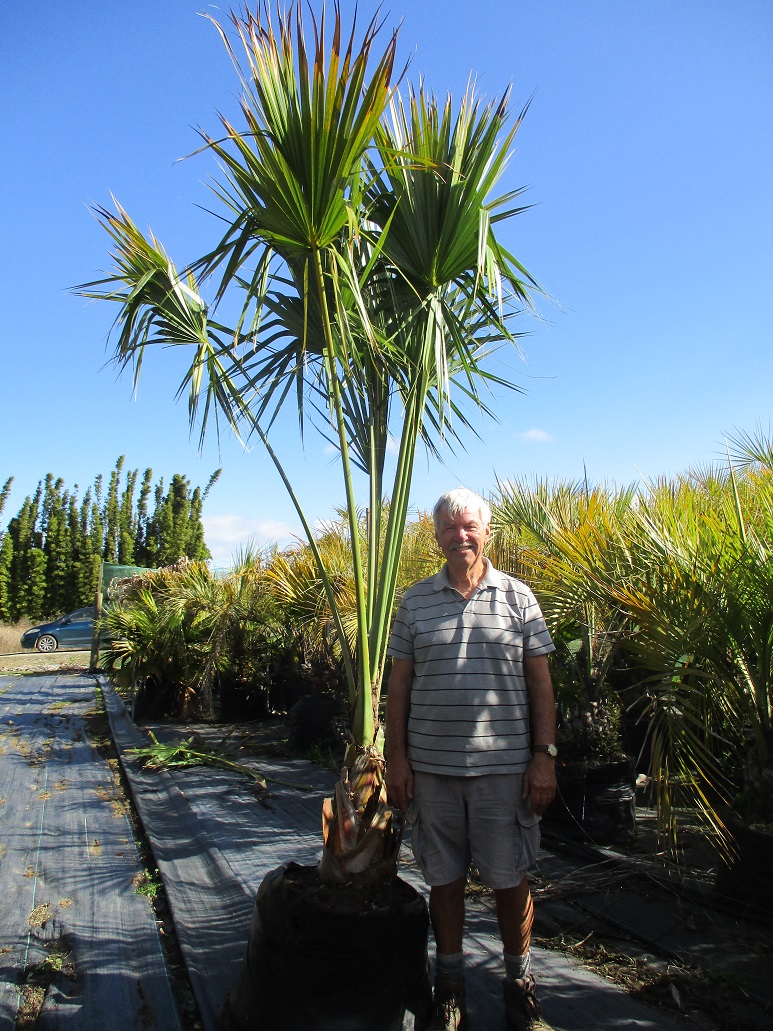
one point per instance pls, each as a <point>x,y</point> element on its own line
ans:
<point>360,236</point>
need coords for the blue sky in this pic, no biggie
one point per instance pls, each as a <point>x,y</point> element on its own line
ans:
<point>648,150</point>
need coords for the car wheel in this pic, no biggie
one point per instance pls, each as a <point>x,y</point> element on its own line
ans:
<point>46,643</point>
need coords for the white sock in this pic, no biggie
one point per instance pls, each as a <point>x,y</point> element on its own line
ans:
<point>450,966</point>
<point>517,968</point>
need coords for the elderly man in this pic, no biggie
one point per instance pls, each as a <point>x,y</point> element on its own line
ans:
<point>470,748</point>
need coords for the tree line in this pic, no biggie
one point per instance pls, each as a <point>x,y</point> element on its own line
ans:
<point>51,550</point>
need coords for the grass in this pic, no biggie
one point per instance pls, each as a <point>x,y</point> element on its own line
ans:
<point>10,635</point>
<point>14,659</point>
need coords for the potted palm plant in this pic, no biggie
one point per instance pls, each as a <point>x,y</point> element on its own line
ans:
<point>702,597</point>
<point>691,569</point>
<point>360,233</point>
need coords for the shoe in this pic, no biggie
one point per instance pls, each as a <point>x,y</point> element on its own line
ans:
<point>522,1010</point>
<point>450,1006</point>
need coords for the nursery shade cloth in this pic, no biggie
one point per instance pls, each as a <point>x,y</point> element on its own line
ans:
<point>68,868</point>
<point>210,825</point>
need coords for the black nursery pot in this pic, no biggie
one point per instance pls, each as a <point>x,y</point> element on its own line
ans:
<point>332,959</point>
<point>746,881</point>
<point>594,802</point>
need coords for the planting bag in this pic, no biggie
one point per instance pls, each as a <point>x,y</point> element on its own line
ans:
<point>595,803</point>
<point>324,958</point>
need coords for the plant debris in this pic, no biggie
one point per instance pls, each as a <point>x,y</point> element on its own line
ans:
<point>191,752</point>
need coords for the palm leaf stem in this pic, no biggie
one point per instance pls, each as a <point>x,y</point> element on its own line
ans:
<point>363,712</point>
<point>351,678</point>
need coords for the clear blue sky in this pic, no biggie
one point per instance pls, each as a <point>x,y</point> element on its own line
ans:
<point>648,153</point>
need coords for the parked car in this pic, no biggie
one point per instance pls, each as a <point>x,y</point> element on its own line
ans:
<point>75,630</point>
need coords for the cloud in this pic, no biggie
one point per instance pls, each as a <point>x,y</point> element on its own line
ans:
<point>228,535</point>
<point>536,436</point>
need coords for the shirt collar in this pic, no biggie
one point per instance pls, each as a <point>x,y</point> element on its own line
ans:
<point>491,578</point>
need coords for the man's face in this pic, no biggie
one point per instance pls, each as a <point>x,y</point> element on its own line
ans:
<point>462,538</point>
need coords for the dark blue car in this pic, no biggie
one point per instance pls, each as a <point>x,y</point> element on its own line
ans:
<point>75,630</point>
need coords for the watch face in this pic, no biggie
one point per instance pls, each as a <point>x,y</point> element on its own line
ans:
<point>551,750</point>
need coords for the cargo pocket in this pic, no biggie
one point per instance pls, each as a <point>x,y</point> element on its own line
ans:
<point>416,838</point>
<point>529,827</point>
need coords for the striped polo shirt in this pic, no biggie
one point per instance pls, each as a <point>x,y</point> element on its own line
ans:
<point>469,704</point>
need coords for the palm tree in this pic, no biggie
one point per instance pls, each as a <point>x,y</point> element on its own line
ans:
<point>360,236</point>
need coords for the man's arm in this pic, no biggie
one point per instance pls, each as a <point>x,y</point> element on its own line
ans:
<point>539,780</point>
<point>399,775</point>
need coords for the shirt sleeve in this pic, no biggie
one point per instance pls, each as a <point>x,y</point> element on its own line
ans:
<point>536,636</point>
<point>401,639</point>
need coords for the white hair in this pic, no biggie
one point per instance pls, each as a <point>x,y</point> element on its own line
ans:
<point>460,500</point>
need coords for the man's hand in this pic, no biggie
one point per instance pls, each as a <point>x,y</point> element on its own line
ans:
<point>539,783</point>
<point>399,782</point>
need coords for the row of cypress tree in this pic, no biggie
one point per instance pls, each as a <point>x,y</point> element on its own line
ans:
<point>51,550</point>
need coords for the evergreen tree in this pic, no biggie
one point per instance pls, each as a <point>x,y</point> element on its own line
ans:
<point>111,514</point>
<point>51,552</point>
<point>86,557</point>
<point>5,492</point>
<point>6,561</point>
<point>21,531</point>
<point>127,529</point>
<point>57,549</point>
<point>141,532</point>
<point>33,591</point>
<point>6,558</point>
<point>96,526</point>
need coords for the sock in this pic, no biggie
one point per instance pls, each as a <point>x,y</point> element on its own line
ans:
<point>517,967</point>
<point>449,966</point>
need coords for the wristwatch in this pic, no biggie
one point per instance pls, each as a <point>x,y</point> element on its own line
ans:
<point>551,750</point>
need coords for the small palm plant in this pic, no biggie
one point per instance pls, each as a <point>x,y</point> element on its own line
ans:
<point>179,630</point>
<point>360,244</point>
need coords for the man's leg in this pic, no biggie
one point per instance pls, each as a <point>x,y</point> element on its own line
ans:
<point>446,910</point>
<point>515,914</point>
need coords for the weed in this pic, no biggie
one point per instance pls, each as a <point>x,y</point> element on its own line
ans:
<point>147,884</point>
<point>183,754</point>
<point>38,978</point>
<point>324,757</point>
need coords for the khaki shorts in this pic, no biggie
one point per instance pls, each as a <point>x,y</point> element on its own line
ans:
<point>458,820</point>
